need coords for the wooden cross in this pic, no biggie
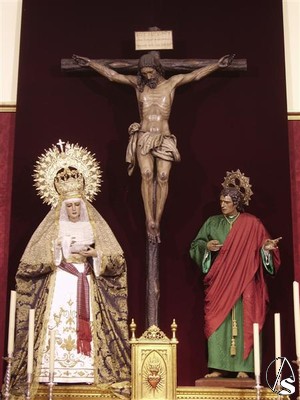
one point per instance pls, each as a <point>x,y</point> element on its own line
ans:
<point>129,66</point>
<point>175,66</point>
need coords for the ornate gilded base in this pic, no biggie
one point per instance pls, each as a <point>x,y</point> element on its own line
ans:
<point>154,377</point>
<point>221,393</point>
<point>89,392</point>
<point>73,392</point>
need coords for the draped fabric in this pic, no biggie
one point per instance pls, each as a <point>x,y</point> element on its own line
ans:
<point>84,335</point>
<point>7,126</point>
<point>70,366</point>
<point>294,139</point>
<point>237,271</point>
<point>160,146</point>
<point>35,282</point>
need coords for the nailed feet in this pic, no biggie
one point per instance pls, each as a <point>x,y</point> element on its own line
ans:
<point>153,232</point>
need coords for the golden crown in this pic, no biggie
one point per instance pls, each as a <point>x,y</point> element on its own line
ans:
<point>239,181</point>
<point>69,183</point>
<point>67,170</point>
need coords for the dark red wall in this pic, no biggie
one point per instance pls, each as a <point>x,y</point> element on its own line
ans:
<point>7,130</point>
<point>227,121</point>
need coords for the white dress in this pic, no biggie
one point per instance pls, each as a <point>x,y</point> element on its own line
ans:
<point>69,365</point>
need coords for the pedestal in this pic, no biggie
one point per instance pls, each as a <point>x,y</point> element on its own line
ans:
<point>238,383</point>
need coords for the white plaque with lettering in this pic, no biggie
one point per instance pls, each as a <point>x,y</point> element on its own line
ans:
<point>153,40</point>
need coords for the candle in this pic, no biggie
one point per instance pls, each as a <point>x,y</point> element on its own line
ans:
<point>30,341</point>
<point>256,349</point>
<point>296,317</point>
<point>52,347</point>
<point>11,326</point>
<point>277,342</point>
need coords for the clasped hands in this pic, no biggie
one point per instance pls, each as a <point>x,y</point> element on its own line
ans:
<point>89,252</point>
<point>76,248</point>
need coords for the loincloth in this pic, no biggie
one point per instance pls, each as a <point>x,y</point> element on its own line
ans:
<point>156,144</point>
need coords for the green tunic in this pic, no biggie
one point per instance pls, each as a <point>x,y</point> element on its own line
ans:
<point>219,343</point>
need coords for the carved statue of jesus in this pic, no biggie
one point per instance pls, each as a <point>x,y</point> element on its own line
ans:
<point>151,141</point>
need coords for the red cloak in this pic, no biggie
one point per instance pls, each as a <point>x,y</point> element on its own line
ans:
<point>238,271</point>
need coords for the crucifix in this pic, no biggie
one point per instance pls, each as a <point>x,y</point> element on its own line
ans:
<point>60,144</point>
<point>151,144</point>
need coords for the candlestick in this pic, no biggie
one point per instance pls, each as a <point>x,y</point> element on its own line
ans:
<point>277,342</point>
<point>30,342</point>
<point>52,348</point>
<point>7,377</point>
<point>258,387</point>
<point>256,349</point>
<point>296,317</point>
<point>51,385</point>
<point>11,326</point>
<point>29,381</point>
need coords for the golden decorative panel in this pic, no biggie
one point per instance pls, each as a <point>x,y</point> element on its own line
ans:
<point>153,364</point>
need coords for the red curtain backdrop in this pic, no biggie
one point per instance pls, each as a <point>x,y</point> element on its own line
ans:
<point>294,137</point>
<point>225,122</point>
<point>7,130</point>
